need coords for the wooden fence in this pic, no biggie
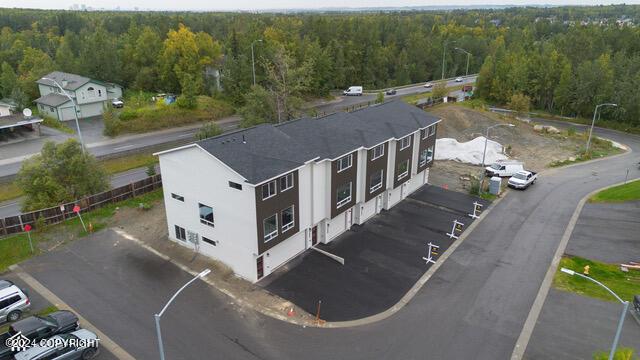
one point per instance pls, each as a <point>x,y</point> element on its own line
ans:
<point>54,215</point>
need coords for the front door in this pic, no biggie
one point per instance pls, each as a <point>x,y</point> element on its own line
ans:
<point>378,204</point>
<point>314,235</point>
<point>349,219</point>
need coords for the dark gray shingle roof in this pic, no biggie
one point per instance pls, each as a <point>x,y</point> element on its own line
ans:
<point>52,99</point>
<point>73,81</point>
<point>265,151</point>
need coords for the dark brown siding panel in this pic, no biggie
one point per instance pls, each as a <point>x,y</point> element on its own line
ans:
<point>401,156</point>
<point>374,166</point>
<point>431,140</point>
<point>275,205</point>
<point>340,178</point>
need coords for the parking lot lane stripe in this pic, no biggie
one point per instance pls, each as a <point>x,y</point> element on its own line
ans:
<point>536,308</point>
<point>105,341</point>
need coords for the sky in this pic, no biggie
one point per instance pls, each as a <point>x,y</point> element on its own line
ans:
<point>256,5</point>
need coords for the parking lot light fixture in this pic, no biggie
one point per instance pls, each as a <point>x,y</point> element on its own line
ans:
<point>157,317</point>
<point>625,306</point>
<point>75,109</point>
<point>593,123</point>
<point>484,153</point>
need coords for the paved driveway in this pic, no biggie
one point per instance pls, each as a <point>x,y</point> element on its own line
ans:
<point>383,258</point>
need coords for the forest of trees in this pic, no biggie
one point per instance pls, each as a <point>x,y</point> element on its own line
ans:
<point>563,67</point>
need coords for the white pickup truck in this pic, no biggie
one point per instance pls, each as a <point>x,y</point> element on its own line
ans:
<point>523,179</point>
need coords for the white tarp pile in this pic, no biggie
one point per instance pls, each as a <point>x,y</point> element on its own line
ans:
<point>469,152</point>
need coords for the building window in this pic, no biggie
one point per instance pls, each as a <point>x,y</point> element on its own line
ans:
<point>91,92</point>
<point>177,197</point>
<point>206,214</point>
<point>99,93</point>
<point>375,181</point>
<point>405,142</point>
<point>41,107</point>
<point>343,194</point>
<point>268,190</point>
<point>180,233</point>
<point>426,155</point>
<point>52,109</point>
<point>423,134</point>
<point>288,218</point>
<point>286,182</point>
<point>345,162</point>
<point>402,169</point>
<point>270,227</point>
<point>378,152</point>
<point>209,241</point>
<point>432,130</point>
<point>235,185</point>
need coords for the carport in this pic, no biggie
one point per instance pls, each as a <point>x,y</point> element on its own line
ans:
<point>383,258</point>
<point>8,124</point>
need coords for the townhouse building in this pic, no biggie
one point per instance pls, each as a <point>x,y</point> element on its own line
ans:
<point>256,198</point>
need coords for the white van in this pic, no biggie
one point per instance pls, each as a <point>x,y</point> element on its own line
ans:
<point>353,91</point>
<point>506,168</point>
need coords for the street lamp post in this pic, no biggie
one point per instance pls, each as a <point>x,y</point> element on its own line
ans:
<point>444,51</point>
<point>253,64</point>
<point>594,121</point>
<point>625,308</point>
<point>157,316</point>
<point>75,110</point>
<point>484,153</point>
<point>468,56</point>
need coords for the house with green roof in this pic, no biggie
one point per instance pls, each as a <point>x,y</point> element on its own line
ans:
<point>90,96</point>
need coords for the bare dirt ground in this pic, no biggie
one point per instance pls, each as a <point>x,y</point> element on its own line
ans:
<point>536,150</point>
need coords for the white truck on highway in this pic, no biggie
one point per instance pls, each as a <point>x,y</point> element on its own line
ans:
<point>504,168</point>
<point>353,91</point>
<point>523,179</point>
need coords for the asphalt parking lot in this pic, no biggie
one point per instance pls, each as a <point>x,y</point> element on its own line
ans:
<point>383,258</point>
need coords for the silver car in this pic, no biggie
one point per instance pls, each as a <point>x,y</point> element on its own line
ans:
<point>13,301</point>
<point>80,344</point>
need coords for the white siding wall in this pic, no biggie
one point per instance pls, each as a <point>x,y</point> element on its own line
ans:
<point>5,110</point>
<point>91,109</point>
<point>200,178</point>
<point>84,96</point>
<point>114,92</point>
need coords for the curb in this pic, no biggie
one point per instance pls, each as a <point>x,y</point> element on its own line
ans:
<point>530,323</point>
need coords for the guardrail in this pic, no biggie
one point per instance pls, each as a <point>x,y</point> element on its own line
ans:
<point>54,215</point>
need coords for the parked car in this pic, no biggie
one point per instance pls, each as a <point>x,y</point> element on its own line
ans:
<point>522,179</point>
<point>117,103</point>
<point>39,327</point>
<point>61,347</point>
<point>353,91</point>
<point>504,168</point>
<point>13,301</point>
<point>458,79</point>
<point>428,85</point>
<point>391,92</point>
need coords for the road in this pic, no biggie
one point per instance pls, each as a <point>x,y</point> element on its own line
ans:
<point>474,306</point>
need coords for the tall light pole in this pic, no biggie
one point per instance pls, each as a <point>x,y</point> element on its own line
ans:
<point>253,64</point>
<point>625,307</point>
<point>75,110</point>
<point>468,56</point>
<point>484,153</point>
<point>201,275</point>
<point>594,121</point>
<point>444,52</point>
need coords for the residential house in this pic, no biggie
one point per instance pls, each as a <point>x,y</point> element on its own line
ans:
<point>91,96</point>
<point>7,107</point>
<point>255,198</point>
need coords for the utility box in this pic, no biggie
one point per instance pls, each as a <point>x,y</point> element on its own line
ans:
<point>494,185</point>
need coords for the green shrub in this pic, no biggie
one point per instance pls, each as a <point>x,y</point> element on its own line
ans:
<point>571,131</point>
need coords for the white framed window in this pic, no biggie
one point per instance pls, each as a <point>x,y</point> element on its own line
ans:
<point>286,182</point>
<point>426,155</point>
<point>405,142</point>
<point>209,241</point>
<point>270,227</point>
<point>378,152</point>
<point>402,169</point>
<point>91,92</point>
<point>177,197</point>
<point>269,190</point>
<point>235,185</point>
<point>375,181</point>
<point>288,218</point>
<point>432,130</point>
<point>424,133</point>
<point>343,194</point>
<point>345,162</point>
<point>180,233</point>
<point>206,214</point>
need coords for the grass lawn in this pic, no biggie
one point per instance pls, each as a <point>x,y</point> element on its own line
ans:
<point>626,285</point>
<point>9,191</point>
<point>599,148</point>
<point>627,192</point>
<point>412,99</point>
<point>16,248</point>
